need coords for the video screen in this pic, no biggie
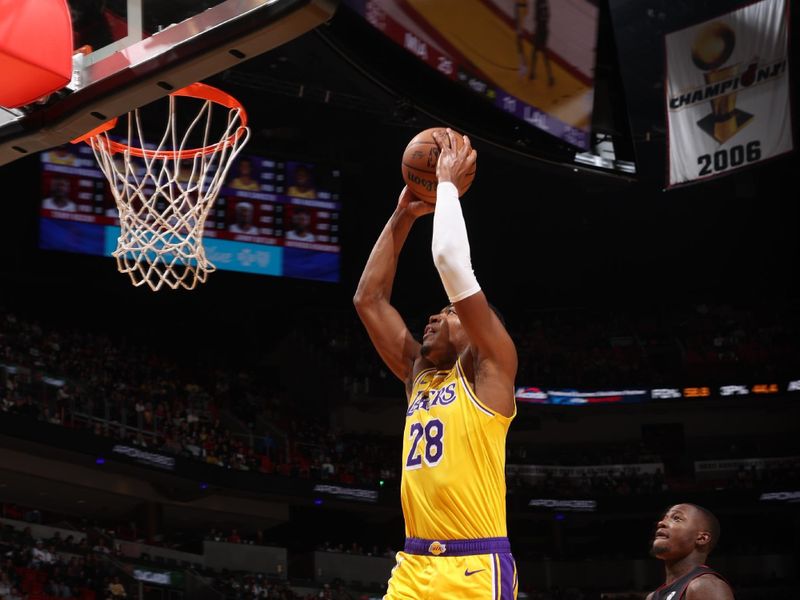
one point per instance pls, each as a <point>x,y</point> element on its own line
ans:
<point>534,59</point>
<point>535,395</point>
<point>272,217</point>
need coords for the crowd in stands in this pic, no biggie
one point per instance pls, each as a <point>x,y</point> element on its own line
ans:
<point>356,548</point>
<point>576,347</point>
<point>785,472</point>
<point>88,564</point>
<point>620,482</point>
<point>70,566</point>
<point>244,420</point>
<point>236,536</point>
<point>58,567</point>
<point>155,402</point>
<point>608,348</point>
<point>599,349</point>
<point>257,587</point>
<point>617,453</point>
<point>625,475</point>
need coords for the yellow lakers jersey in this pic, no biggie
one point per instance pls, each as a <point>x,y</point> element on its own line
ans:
<point>453,484</point>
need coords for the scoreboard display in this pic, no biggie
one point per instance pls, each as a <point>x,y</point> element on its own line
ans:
<point>571,397</point>
<point>272,217</point>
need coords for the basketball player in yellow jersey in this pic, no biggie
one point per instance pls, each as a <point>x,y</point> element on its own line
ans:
<point>460,388</point>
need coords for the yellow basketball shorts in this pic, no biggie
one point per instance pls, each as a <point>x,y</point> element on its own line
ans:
<point>481,569</point>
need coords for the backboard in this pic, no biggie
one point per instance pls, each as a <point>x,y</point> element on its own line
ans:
<point>140,50</point>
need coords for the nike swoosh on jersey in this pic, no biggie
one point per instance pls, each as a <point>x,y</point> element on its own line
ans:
<point>467,572</point>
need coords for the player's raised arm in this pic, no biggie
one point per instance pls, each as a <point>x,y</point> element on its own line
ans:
<point>386,328</point>
<point>493,352</point>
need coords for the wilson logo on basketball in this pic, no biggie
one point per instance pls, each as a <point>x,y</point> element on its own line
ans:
<point>420,159</point>
<point>428,184</point>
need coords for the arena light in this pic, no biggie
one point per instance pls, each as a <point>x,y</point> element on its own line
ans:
<point>150,459</point>
<point>790,497</point>
<point>603,156</point>
<point>157,577</point>
<point>696,392</point>
<point>734,390</point>
<point>765,388</point>
<point>565,505</point>
<point>347,493</point>
<point>665,393</point>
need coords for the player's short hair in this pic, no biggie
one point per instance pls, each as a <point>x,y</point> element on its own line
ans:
<point>492,306</point>
<point>712,523</point>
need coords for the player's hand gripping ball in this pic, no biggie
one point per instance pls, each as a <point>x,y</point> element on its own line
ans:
<point>419,165</point>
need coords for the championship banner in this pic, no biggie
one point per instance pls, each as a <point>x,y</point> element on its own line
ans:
<point>728,102</point>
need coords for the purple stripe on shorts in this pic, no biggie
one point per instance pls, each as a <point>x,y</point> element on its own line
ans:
<point>506,576</point>
<point>498,545</point>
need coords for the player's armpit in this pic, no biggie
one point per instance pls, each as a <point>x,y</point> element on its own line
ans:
<point>493,352</point>
<point>488,337</point>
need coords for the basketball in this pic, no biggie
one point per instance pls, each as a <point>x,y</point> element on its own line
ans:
<point>419,165</point>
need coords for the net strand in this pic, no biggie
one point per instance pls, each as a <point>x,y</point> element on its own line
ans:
<point>162,214</point>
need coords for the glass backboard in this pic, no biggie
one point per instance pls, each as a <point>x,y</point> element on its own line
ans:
<point>133,52</point>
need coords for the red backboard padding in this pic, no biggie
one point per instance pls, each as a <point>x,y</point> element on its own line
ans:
<point>35,49</point>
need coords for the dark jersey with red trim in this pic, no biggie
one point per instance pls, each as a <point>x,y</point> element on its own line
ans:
<point>677,589</point>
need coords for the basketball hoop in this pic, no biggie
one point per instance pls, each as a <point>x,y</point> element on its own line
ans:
<point>163,201</point>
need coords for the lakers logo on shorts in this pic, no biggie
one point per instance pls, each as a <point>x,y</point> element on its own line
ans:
<point>437,548</point>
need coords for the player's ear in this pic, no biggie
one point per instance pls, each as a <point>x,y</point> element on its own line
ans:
<point>703,539</point>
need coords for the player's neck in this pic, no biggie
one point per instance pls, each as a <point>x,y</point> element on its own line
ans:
<point>676,569</point>
<point>445,364</point>
<point>447,361</point>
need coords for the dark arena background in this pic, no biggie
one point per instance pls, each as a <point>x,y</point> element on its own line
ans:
<point>243,440</point>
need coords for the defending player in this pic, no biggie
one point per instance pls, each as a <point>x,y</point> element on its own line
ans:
<point>684,537</point>
<point>460,388</point>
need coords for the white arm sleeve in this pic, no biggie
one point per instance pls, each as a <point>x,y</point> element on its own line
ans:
<point>450,245</point>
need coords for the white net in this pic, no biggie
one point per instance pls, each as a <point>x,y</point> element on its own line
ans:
<point>164,195</point>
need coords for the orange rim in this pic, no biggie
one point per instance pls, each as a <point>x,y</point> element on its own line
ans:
<point>195,90</point>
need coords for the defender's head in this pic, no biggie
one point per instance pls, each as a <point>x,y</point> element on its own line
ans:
<point>683,529</point>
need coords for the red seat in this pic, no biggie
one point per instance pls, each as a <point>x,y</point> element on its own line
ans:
<point>23,571</point>
<point>87,594</point>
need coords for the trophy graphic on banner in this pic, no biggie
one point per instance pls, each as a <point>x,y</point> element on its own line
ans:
<point>712,47</point>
